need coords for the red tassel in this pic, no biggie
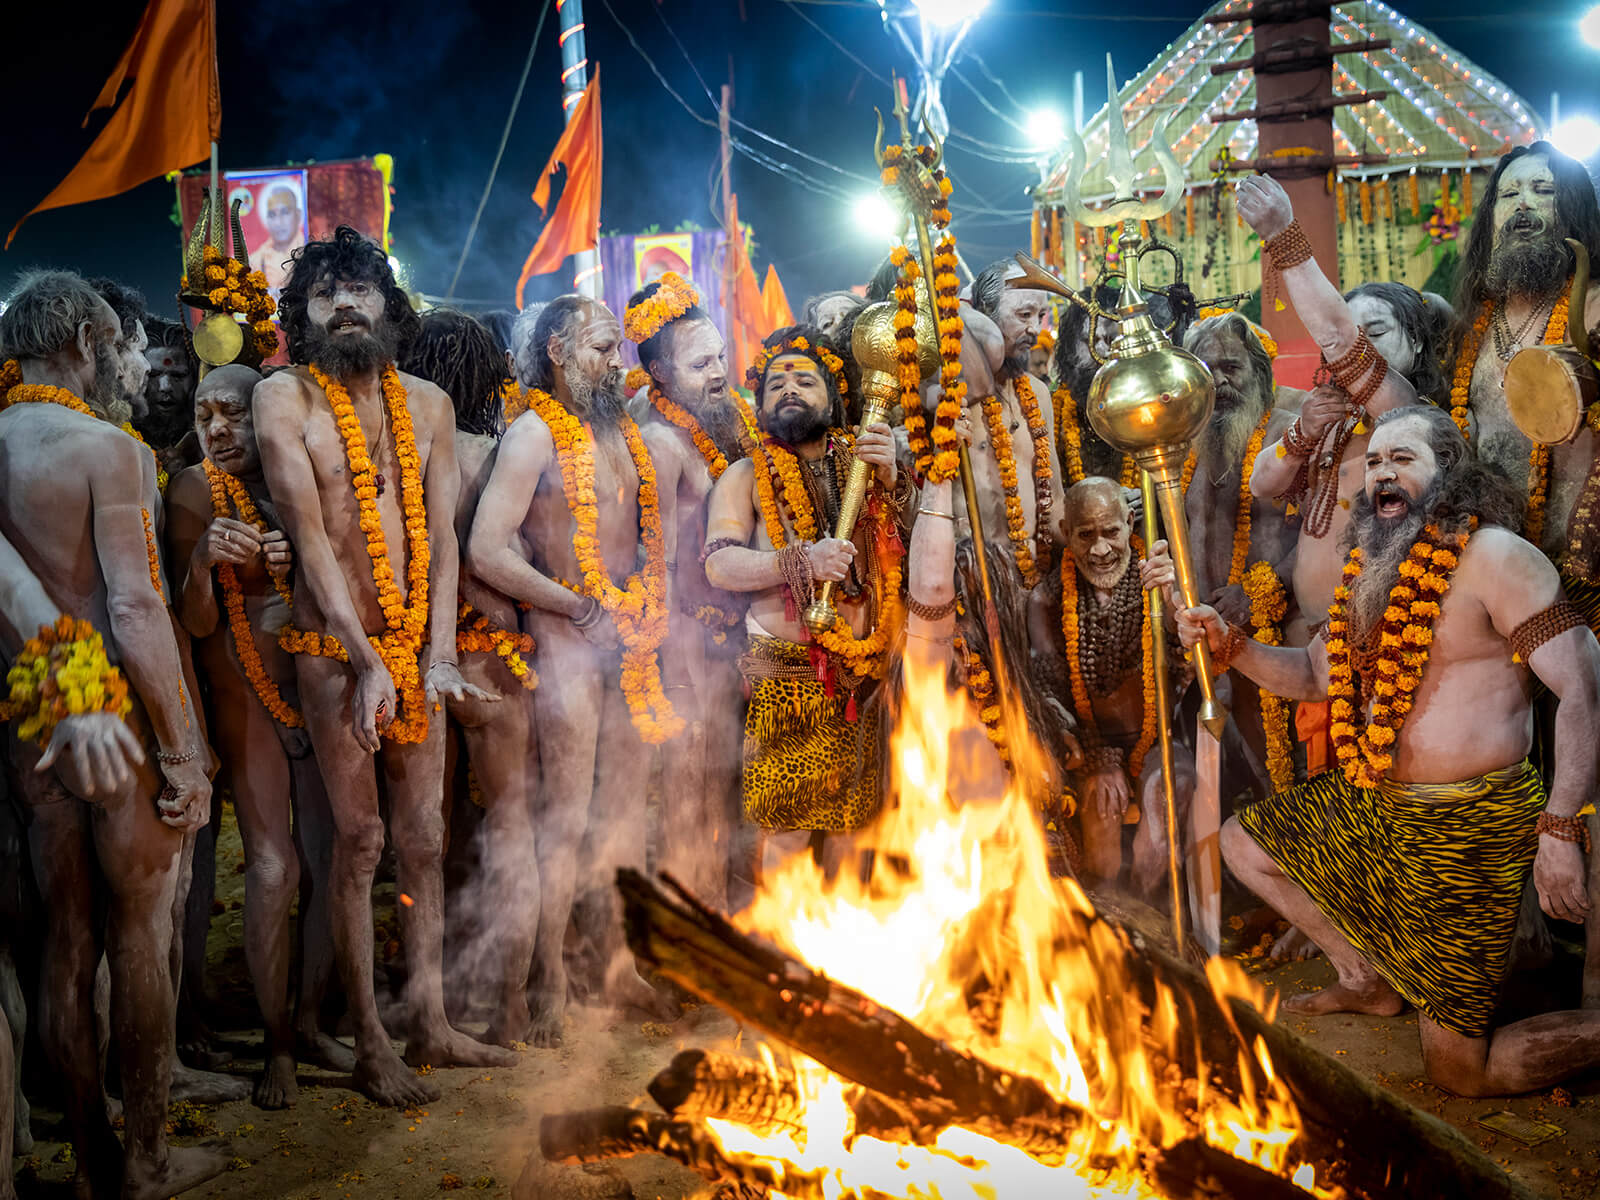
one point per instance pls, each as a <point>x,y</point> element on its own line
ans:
<point>850,709</point>
<point>790,613</point>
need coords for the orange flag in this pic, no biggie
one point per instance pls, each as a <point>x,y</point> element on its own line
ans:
<point>575,225</point>
<point>746,308</point>
<point>170,115</point>
<point>775,301</point>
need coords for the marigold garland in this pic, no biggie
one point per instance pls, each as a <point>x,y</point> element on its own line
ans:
<point>638,608</point>
<point>675,414</point>
<point>479,635</point>
<point>1080,692</point>
<point>61,672</point>
<point>1070,437</point>
<point>1040,432</point>
<point>1268,605</point>
<point>1555,332</point>
<point>869,654</point>
<point>1006,461</point>
<point>10,376</point>
<point>228,496</point>
<point>231,287</point>
<point>908,366</point>
<point>980,686</point>
<point>513,401</point>
<point>674,297</point>
<point>946,461</point>
<point>830,361</point>
<point>405,619</point>
<point>1364,744</point>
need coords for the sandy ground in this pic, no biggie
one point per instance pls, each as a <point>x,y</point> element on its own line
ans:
<point>481,1136</point>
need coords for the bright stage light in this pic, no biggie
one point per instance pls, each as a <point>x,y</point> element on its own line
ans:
<point>949,12</point>
<point>1046,129</point>
<point>1589,27</point>
<point>876,216</point>
<point>1578,136</point>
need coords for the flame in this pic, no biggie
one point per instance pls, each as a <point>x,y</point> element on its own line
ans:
<point>962,930</point>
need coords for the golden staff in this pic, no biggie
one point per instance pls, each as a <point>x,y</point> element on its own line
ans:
<point>1158,665</point>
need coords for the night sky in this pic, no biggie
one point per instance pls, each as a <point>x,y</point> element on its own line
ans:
<point>430,82</point>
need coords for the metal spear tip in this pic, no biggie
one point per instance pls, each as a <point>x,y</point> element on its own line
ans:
<point>1214,717</point>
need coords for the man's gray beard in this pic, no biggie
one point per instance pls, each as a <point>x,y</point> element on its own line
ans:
<point>1533,266</point>
<point>1105,581</point>
<point>1384,546</point>
<point>105,393</point>
<point>1014,365</point>
<point>1229,430</point>
<point>600,401</point>
<point>721,421</point>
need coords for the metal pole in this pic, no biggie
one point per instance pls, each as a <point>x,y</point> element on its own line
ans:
<point>1158,663</point>
<point>574,78</point>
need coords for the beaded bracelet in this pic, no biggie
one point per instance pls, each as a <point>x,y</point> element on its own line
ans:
<point>1289,248</point>
<point>1564,829</point>
<point>931,612</point>
<point>1231,649</point>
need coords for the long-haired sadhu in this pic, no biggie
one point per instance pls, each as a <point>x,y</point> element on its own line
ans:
<point>1406,861</point>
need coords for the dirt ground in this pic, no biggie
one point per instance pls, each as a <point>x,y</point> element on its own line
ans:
<point>481,1137</point>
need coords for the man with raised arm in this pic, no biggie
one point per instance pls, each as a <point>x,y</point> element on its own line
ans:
<point>1406,863</point>
<point>361,462</point>
<point>78,501</point>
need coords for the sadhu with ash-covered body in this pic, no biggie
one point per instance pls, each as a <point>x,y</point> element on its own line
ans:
<point>1406,862</point>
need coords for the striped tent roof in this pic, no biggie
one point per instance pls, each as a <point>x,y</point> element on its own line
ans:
<point>1443,111</point>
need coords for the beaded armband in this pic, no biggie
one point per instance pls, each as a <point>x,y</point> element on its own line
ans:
<point>1541,627</point>
<point>1289,248</point>
<point>931,612</point>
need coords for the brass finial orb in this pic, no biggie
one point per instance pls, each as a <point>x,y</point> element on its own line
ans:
<point>1152,393</point>
<point>872,341</point>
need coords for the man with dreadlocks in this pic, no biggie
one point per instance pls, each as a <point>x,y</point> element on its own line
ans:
<point>500,909</point>
<point>1406,863</point>
<point>223,529</point>
<point>571,500</point>
<point>361,462</point>
<point>1015,467</point>
<point>694,432</point>
<point>812,757</point>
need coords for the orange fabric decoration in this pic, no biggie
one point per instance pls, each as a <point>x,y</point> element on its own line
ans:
<point>1312,725</point>
<point>575,225</point>
<point>170,116</point>
<point>775,301</point>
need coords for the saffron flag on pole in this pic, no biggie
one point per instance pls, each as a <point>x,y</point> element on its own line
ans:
<point>775,301</point>
<point>169,117</point>
<point>748,318</point>
<point>575,225</point>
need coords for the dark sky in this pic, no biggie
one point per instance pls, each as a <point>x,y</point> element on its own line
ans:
<point>431,83</point>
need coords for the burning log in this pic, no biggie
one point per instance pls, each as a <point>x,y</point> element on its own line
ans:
<point>1370,1141</point>
<point>600,1134</point>
<point>700,1083</point>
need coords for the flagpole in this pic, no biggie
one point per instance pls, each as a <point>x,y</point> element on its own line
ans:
<point>574,78</point>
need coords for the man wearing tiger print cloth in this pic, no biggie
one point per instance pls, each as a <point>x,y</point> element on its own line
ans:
<point>1406,862</point>
<point>693,430</point>
<point>812,759</point>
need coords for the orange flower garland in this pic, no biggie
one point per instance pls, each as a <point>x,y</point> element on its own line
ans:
<point>1080,692</point>
<point>1555,332</point>
<point>405,620</point>
<point>1268,605</point>
<point>151,552</point>
<point>980,686</point>
<point>907,365</point>
<point>638,608</point>
<point>1364,745</point>
<point>1070,436</point>
<point>674,297</point>
<point>10,376</point>
<point>946,461</point>
<point>1040,432</point>
<point>869,655</point>
<point>675,414</point>
<point>226,499</point>
<point>230,286</point>
<point>513,403</point>
<point>60,672</point>
<point>482,636</point>
<point>1006,461</point>
<point>772,459</point>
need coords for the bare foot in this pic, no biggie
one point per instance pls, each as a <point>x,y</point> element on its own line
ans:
<point>626,989</point>
<point>385,1079</point>
<point>202,1054</point>
<point>325,1051</point>
<point>206,1087</point>
<point>186,1166</point>
<point>547,1026</point>
<point>1293,946</point>
<point>452,1048</point>
<point>22,1124</point>
<point>1376,999</point>
<point>276,1087</point>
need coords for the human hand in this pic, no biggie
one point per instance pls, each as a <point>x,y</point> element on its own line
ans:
<point>444,679</point>
<point>875,445</point>
<point>1071,749</point>
<point>1135,499</point>
<point>102,749</point>
<point>1264,205</point>
<point>1157,571</point>
<point>185,802</point>
<point>1560,878</point>
<point>227,541</point>
<point>1325,406</point>
<point>372,705</point>
<point>1232,604</point>
<point>277,553</point>
<point>1108,792</point>
<point>1202,620</point>
<point>830,558</point>
<point>964,427</point>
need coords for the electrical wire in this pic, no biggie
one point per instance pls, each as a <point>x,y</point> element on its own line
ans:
<point>505,136</point>
<point>840,46</point>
